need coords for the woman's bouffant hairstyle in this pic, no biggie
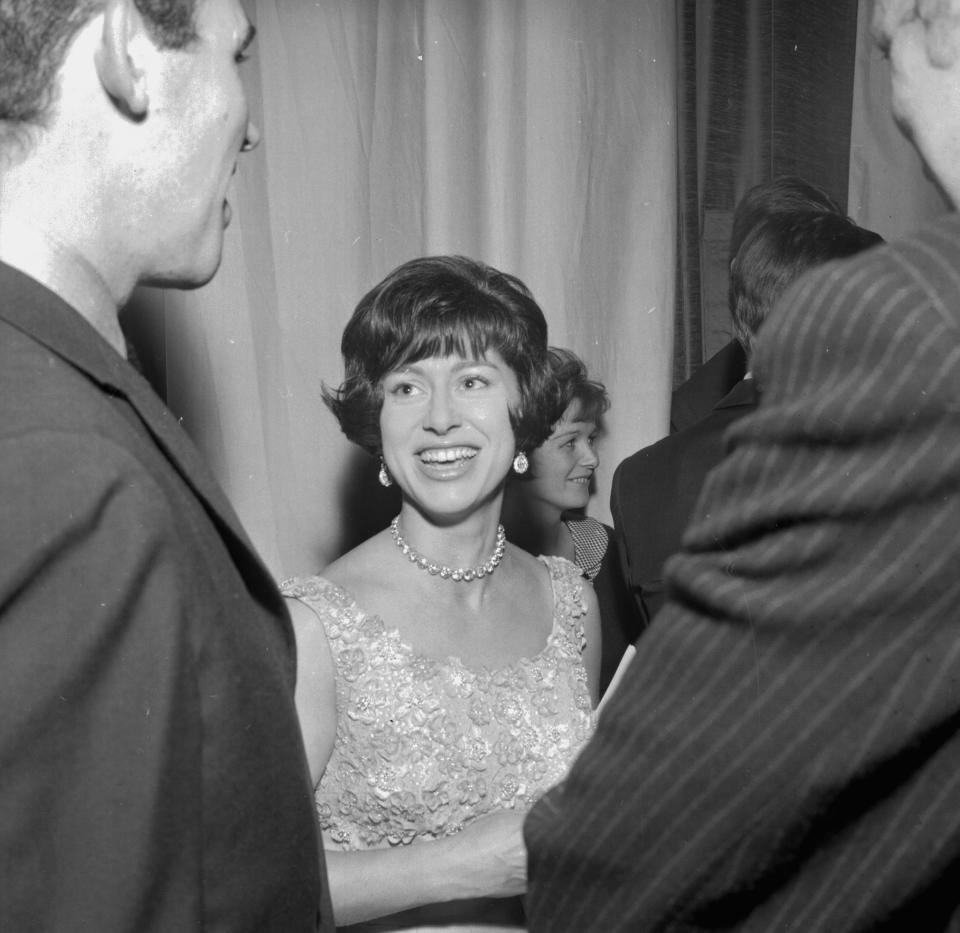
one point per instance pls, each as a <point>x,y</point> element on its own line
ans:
<point>442,306</point>
<point>572,384</point>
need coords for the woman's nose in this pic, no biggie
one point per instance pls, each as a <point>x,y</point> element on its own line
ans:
<point>441,414</point>
<point>589,457</point>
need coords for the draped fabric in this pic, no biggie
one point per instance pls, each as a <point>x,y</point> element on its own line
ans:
<point>538,136</point>
<point>766,89</point>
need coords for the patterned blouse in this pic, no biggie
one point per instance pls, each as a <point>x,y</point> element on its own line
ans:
<point>424,746</point>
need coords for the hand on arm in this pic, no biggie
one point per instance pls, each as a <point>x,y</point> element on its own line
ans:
<point>487,859</point>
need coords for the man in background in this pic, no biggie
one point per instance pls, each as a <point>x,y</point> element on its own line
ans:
<point>655,490</point>
<point>784,751</point>
<point>695,398</point>
<point>152,775</point>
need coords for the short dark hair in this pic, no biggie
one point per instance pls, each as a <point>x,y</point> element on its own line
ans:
<point>438,306</point>
<point>776,251</point>
<point>571,383</point>
<point>783,194</point>
<point>35,35</point>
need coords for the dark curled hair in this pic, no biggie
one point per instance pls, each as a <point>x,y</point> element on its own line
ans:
<point>442,306</point>
<point>572,384</point>
<point>35,35</point>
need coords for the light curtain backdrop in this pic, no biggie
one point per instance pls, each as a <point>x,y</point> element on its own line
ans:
<point>537,136</point>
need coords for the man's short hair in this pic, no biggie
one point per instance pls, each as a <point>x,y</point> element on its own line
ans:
<point>35,35</point>
<point>776,252</point>
<point>941,23</point>
<point>785,193</point>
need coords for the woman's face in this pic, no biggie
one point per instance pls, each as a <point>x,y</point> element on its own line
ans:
<point>446,432</point>
<point>563,465</point>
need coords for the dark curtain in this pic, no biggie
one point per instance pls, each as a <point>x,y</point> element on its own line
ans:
<point>765,89</point>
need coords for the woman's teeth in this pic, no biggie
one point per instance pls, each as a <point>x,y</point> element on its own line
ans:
<point>447,454</point>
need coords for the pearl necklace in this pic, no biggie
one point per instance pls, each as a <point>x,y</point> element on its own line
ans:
<point>460,574</point>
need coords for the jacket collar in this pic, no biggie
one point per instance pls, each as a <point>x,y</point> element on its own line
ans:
<point>744,393</point>
<point>40,314</point>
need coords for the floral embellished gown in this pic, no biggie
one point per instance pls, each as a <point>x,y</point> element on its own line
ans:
<point>423,746</point>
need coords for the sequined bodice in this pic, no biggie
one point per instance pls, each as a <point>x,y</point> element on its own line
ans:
<point>425,746</point>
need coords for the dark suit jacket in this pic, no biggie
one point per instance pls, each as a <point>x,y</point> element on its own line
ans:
<point>695,398</point>
<point>784,752</point>
<point>655,490</point>
<point>152,775</point>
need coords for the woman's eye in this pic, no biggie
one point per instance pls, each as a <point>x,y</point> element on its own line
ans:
<point>401,388</point>
<point>474,382</point>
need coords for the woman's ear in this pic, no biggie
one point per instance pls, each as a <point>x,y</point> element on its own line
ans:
<point>118,72</point>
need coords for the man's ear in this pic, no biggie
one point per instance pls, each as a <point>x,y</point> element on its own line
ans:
<point>119,74</point>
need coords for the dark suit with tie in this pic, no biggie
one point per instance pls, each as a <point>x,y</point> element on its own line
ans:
<point>655,490</point>
<point>152,775</point>
<point>784,752</point>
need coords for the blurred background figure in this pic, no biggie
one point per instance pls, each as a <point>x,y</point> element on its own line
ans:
<point>446,678</point>
<point>545,508</point>
<point>655,490</point>
<point>695,398</point>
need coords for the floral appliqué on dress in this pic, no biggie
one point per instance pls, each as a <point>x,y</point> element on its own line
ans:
<point>424,747</point>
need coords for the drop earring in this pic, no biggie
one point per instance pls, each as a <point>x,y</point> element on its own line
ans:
<point>520,463</point>
<point>383,475</point>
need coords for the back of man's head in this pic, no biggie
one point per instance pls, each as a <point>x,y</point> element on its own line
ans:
<point>783,194</point>
<point>776,251</point>
<point>34,37</point>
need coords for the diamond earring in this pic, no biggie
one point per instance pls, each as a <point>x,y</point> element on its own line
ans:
<point>520,463</point>
<point>383,475</point>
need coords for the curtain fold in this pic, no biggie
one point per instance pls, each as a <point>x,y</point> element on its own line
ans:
<point>769,92</point>
<point>538,136</point>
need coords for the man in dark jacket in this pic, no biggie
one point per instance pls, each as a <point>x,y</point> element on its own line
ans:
<point>655,490</point>
<point>152,774</point>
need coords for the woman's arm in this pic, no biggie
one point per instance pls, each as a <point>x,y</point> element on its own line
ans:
<point>592,652</point>
<point>316,693</point>
<point>487,859</point>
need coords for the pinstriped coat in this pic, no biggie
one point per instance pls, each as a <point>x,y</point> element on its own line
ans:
<point>784,753</point>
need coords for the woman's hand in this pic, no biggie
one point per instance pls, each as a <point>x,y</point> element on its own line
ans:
<point>487,859</point>
<point>489,856</point>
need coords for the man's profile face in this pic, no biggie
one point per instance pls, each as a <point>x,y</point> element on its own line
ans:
<point>204,108</point>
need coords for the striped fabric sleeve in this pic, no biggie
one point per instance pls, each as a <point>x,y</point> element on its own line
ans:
<point>784,752</point>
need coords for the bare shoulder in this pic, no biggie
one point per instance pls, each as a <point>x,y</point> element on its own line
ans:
<point>356,570</point>
<point>529,571</point>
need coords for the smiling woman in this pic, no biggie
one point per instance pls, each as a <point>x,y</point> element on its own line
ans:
<point>446,678</point>
<point>544,509</point>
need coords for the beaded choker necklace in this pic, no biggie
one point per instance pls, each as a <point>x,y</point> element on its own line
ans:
<point>460,574</point>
